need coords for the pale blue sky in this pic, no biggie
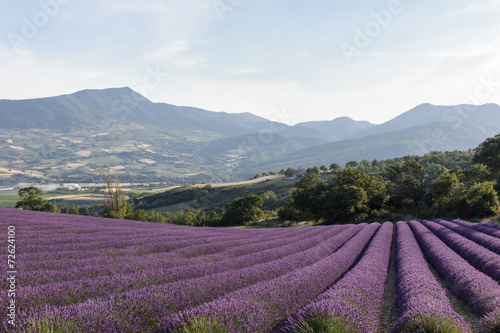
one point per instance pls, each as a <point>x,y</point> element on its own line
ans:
<point>286,60</point>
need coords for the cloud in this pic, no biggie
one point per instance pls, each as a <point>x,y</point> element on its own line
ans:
<point>489,6</point>
<point>241,71</point>
<point>175,53</point>
<point>174,28</point>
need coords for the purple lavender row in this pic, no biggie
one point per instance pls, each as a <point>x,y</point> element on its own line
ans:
<point>70,239</point>
<point>119,241</point>
<point>30,248</point>
<point>493,225</point>
<point>478,256</point>
<point>140,310</point>
<point>478,290</point>
<point>61,221</point>
<point>489,242</point>
<point>70,292</point>
<point>252,251</point>
<point>70,259</point>
<point>264,306</point>
<point>115,248</point>
<point>156,247</point>
<point>421,301</point>
<point>485,228</point>
<point>67,266</point>
<point>353,304</point>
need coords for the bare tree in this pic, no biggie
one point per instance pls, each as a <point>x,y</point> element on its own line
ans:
<point>115,200</point>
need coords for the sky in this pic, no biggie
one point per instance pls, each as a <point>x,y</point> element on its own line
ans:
<point>285,60</point>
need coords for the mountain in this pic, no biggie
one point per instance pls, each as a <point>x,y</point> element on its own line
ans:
<point>339,128</point>
<point>418,131</point>
<point>93,108</point>
<point>78,137</point>
<point>456,115</point>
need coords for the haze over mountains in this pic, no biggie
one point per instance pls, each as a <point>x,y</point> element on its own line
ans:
<point>120,127</point>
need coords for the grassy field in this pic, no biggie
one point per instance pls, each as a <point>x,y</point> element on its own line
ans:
<point>8,199</point>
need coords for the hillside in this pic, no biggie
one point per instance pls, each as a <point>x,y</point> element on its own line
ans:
<point>419,131</point>
<point>79,137</point>
<point>338,129</point>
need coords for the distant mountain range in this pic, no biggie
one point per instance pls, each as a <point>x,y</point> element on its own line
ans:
<point>93,128</point>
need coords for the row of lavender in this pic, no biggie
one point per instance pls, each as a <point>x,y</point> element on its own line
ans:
<point>83,274</point>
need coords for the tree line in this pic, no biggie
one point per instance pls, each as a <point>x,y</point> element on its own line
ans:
<point>407,188</point>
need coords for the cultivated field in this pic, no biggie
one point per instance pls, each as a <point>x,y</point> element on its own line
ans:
<point>82,274</point>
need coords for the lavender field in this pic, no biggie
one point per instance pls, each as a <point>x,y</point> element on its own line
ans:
<point>72,273</point>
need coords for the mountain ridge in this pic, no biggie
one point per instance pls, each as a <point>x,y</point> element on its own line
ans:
<point>119,127</point>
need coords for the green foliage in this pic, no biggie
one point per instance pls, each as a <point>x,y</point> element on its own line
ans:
<point>243,210</point>
<point>289,212</point>
<point>347,203</point>
<point>314,169</point>
<point>139,215</point>
<point>323,324</point>
<point>491,323</point>
<point>431,324</point>
<point>308,197</point>
<point>158,218</point>
<point>407,183</point>
<point>334,168</point>
<point>115,201</point>
<point>351,164</point>
<point>354,196</point>
<point>448,193</point>
<point>289,172</point>
<point>350,196</point>
<point>32,199</point>
<point>488,153</point>
<point>482,200</point>
<point>269,199</point>
<point>52,324</point>
<point>199,325</point>
<point>323,168</point>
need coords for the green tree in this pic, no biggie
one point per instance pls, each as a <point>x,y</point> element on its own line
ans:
<point>323,168</point>
<point>243,210</point>
<point>308,196</point>
<point>314,169</point>
<point>289,172</point>
<point>211,220</point>
<point>448,193</point>
<point>334,168</point>
<point>407,183</point>
<point>365,164</point>
<point>350,196</point>
<point>32,199</point>
<point>488,153</point>
<point>351,164</point>
<point>374,187</point>
<point>477,173</point>
<point>157,217</point>
<point>115,201</point>
<point>348,203</point>
<point>482,200</point>
<point>139,215</point>
<point>353,196</point>
<point>269,198</point>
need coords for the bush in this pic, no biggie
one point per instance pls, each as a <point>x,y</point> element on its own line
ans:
<point>482,200</point>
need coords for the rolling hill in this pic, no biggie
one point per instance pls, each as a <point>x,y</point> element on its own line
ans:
<point>78,137</point>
